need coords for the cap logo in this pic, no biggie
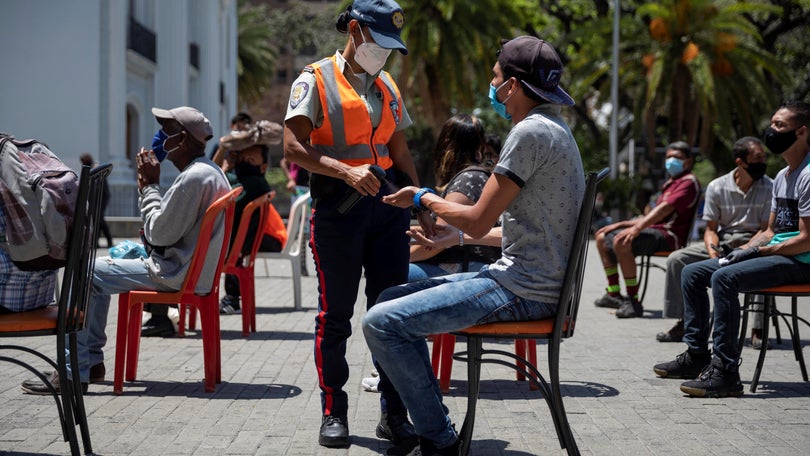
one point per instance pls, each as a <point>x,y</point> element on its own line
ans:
<point>398,19</point>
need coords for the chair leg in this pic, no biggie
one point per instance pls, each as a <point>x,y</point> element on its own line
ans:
<point>296,276</point>
<point>246,289</point>
<point>67,395</point>
<point>134,341</point>
<point>558,408</point>
<point>746,307</point>
<point>644,278</point>
<point>474,346</point>
<point>797,341</point>
<point>520,351</point>
<point>208,324</point>
<point>436,353</point>
<point>531,347</point>
<point>763,349</point>
<point>775,318</point>
<point>78,397</point>
<point>121,343</point>
<point>448,346</point>
<point>181,322</point>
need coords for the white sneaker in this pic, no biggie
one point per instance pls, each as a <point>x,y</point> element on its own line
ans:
<point>370,384</point>
<point>174,316</point>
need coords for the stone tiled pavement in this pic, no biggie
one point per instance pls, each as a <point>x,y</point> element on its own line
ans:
<point>268,403</point>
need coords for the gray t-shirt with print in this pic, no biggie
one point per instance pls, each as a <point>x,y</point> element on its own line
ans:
<point>541,156</point>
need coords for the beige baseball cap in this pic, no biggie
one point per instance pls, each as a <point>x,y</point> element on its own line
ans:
<point>191,119</point>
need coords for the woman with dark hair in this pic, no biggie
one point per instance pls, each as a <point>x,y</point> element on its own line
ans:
<point>460,177</point>
<point>345,125</point>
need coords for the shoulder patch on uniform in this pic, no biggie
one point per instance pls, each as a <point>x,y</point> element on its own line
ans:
<point>299,92</point>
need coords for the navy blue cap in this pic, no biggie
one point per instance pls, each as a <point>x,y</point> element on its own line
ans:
<point>536,64</point>
<point>384,19</point>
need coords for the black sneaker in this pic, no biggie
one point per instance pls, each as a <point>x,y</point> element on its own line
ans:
<point>399,431</point>
<point>631,308</point>
<point>675,334</point>
<point>612,302</point>
<point>158,326</point>
<point>687,365</point>
<point>428,449</point>
<point>334,432</point>
<point>714,381</point>
<point>229,305</point>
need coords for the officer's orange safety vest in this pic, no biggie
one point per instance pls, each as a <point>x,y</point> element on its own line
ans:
<point>346,133</point>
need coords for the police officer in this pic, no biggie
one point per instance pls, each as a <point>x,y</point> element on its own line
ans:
<point>345,118</point>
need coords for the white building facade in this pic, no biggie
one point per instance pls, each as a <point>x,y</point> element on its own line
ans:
<point>83,75</point>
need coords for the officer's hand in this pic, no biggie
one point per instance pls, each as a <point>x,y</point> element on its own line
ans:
<point>362,180</point>
<point>738,255</point>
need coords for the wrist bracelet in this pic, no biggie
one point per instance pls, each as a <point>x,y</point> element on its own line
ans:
<point>460,238</point>
<point>417,197</point>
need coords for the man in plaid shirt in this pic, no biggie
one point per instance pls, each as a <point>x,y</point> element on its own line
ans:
<point>21,291</point>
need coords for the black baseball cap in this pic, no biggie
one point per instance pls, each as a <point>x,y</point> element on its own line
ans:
<point>536,64</point>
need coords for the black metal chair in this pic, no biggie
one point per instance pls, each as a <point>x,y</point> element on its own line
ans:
<point>770,311</point>
<point>66,318</point>
<point>553,329</point>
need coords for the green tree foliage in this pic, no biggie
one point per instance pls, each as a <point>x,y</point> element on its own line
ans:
<point>256,54</point>
<point>452,45</point>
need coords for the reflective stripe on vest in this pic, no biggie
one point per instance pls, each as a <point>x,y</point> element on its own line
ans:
<point>346,133</point>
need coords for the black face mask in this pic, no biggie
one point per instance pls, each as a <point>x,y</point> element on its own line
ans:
<point>778,142</point>
<point>244,169</point>
<point>756,170</point>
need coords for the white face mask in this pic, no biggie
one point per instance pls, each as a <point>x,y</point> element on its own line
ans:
<point>370,56</point>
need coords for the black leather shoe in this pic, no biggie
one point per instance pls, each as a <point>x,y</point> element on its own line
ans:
<point>334,432</point>
<point>37,388</point>
<point>158,327</point>
<point>399,431</point>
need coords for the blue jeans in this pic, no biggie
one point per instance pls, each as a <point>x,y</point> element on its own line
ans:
<point>422,270</point>
<point>110,276</point>
<point>395,330</point>
<point>727,282</point>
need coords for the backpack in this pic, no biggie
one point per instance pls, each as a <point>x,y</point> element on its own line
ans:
<point>38,193</point>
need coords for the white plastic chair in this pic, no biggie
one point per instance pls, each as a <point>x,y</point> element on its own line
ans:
<point>292,249</point>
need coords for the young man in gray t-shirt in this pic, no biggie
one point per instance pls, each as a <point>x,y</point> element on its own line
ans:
<point>536,188</point>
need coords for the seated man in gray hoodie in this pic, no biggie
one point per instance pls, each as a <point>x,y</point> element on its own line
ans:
<point>171,226</point>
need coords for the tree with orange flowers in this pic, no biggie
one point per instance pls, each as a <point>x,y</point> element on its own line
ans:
<point>706,71</point>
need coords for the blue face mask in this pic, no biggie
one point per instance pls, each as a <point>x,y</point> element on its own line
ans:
<point>500,108</point>
<point>674,166</point>
<point>157,144</point>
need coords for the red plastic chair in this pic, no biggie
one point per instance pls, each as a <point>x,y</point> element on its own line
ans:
<point>130,305</point>
<point>242,266</point>
<point>444,347</point>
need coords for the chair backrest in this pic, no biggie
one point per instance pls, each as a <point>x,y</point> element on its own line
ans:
<point>222,207</point>
<point>568,305</point>
<point>81,258</point>
<point>295,225</point>
<point>262,204</point>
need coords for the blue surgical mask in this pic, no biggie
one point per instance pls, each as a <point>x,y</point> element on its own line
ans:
<point>500,107</point>
<point>159,143</point>
<point>674,166</point>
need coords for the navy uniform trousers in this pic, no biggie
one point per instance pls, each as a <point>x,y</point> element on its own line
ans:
<point>369,239</point>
